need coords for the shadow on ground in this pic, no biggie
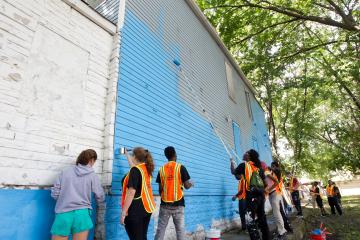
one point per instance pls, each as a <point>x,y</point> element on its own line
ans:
<point>345,227</point>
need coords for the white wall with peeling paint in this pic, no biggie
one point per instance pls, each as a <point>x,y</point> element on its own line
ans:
<point>58,73</point>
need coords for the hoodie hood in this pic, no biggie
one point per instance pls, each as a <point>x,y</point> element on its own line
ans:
<point>82,170</point>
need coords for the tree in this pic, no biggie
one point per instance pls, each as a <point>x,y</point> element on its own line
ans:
<point>303,57</point>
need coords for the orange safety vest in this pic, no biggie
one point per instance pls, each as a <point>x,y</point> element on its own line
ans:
<point>170,178</point>
<point>279,187</point>
<point>146,189</point>
<point>249,169</point>
<point>330,191</point>
<point>241,187</point>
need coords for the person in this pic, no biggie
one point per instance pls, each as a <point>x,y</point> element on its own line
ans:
<point>318,198</point>
<point>137,199</point>
<point>72,192</point>
<point>294,186</point>
<point>255,198</point>
<point>338,194</point>
<point>313,194</point>
<point>172,178</point>
<point>332,191</point>
<point>274,190</point>
<point>241,196</point>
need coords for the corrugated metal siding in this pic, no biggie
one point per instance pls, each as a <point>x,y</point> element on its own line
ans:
<point>155,107</point>
<point>109,9</point>
<point>260,132</point>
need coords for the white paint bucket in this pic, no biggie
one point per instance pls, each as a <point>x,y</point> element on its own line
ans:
<point>213,234</point>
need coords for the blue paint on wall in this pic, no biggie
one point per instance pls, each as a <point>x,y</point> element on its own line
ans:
<point>28,214</point>
<point>237,139</point>
<point>260,135</point>
<point>151,113</point>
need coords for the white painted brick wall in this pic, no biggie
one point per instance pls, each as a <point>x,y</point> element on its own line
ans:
<point>58,72</point>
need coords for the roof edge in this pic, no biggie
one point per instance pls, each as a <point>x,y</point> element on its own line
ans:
<point>92,15</point>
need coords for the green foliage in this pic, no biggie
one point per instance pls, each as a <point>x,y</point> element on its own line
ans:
<point>303,57</point>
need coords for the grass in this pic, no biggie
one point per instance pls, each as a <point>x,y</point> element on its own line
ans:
<point>345,227</point>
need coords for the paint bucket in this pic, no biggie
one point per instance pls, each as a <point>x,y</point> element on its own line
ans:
<point>213,234</point>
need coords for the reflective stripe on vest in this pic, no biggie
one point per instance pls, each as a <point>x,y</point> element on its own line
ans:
<point>330,191</point>
<point>172,186</point>
<point>241,187</point>
<point>124,191</point>
<point>249,169</point>
<point>146,190</point>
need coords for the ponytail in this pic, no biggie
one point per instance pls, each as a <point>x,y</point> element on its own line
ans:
<point>149,162</point>
<point>144,156</point>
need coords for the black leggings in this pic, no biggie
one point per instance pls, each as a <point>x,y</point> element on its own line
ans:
<point>295,195</point>
<point>334,203</point>
<point>285,219</point>
<point>137,227</point>
<point>256,206</point>
<point>242,212</point>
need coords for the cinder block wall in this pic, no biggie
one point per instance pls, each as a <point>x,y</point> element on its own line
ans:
<point>57,98</point>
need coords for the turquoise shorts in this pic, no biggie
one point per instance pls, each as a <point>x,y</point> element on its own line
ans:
<point>72,222</point>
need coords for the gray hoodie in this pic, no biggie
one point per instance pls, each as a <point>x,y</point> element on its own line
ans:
<point>72,189</point>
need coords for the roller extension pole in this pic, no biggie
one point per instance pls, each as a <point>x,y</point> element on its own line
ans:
<point>177,63</point>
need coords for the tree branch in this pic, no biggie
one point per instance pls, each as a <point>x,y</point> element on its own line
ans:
<point>330,141</point>
<point>324,6</point>
<point>340,81</point>
<point>264,29</point>
<point>348,19</point>
<point>303,50</point>
<point>296,14</point>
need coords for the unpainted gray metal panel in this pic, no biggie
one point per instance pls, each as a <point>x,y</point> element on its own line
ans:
<point>109,9</point>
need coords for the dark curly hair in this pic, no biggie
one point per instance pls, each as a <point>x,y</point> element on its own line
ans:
<point>254,157</point>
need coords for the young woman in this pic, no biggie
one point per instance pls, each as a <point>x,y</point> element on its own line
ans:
<point>137,197</point>
<point>255,198</point>
<point>318,199</point>
<point>313,195</point>
<point>72,192</point>
<point>274,189</point>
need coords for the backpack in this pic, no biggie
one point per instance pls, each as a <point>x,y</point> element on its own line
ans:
<point>256,184</point>
<point>256,181</point>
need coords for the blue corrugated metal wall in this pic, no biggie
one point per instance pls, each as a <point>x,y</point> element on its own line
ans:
<point>237,139</point>
<point>151,113</point>
<point>260,133</point>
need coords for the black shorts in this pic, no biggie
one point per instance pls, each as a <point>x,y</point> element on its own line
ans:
<point>319,202</point>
